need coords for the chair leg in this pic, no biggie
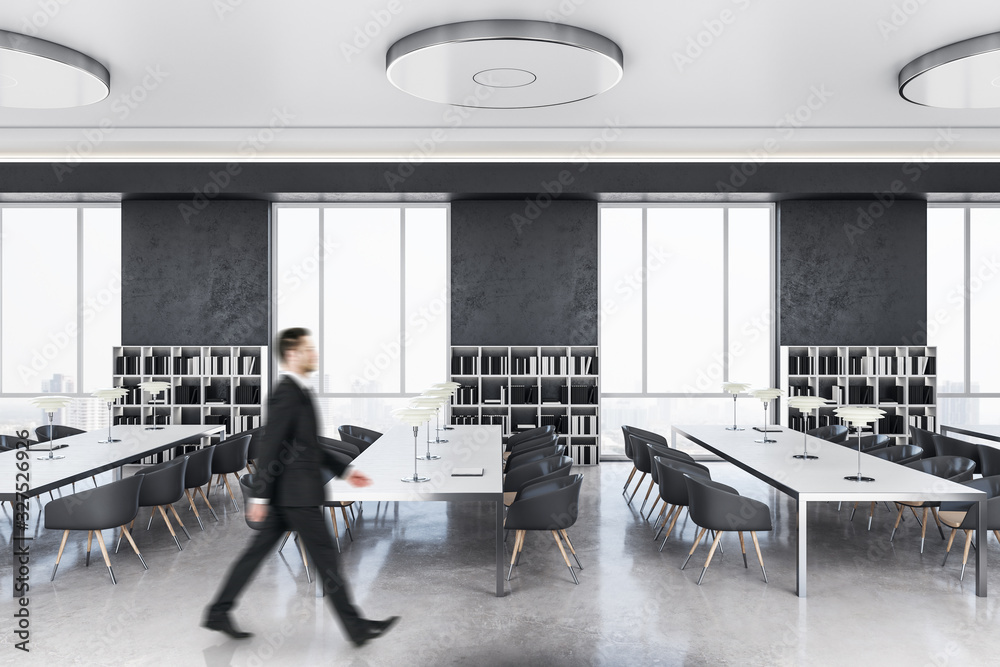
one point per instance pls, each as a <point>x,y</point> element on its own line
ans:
<point>195,509</point>
<point>923,530</point>
<point>565,557</point>
<point>760,559</point>
<point>663,519</point>
<point>694,546</point>
<point>90,539</point>
<point>853,510</point>
<point>347,523</point>
<point>965,553</point>
<point>937,520</point>
<point>205,498</point>
<point>179,522</point>
<point>636,489</point>
<point>629,480</point>
<point>128,536</point>
<point>62,545</point>
<point>648,491</point>
<point>152,513</point>
<point>947,549</point>
<point>571,549</point>
<point>305,561</point>
<point>743,548</point>
<point>673,522</point>
<point>871,513</point>
<point>225,478</point>
<point>711,552</point>
<point>104,552</point>
<point>163,513</point>
<point>285,539</point>
<point>656,499</point>
<point>518,538</point>
<point>915,515</point>
<point>899,516</point>
<point>336,528</point>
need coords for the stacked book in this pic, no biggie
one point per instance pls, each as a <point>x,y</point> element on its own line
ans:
<point>248,365</point>
<point>127,365</point>
<point>525,365</point>
<point>585,365</point>
<point>247,394</point>
<point>584,425</point>
<point>466,365</point>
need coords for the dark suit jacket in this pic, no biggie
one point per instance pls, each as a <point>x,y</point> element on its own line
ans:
<point>290,467</point>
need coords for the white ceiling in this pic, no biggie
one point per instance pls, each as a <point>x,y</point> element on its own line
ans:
<point>227,69</point>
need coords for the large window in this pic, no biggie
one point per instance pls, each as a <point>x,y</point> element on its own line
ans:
<point>371,282</point>
<point>60,310</point>
<point>963,289</point>
<point>687,303</point>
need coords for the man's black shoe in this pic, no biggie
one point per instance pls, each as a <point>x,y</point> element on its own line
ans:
<point>224,624</point>
<point>375,630</point>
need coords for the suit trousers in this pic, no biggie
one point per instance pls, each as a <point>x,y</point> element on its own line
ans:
<point>310,525</point>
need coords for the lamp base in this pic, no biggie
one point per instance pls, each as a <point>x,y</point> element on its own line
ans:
<point>859,478</point>
<point>428,457</point>
<point>415,479</point>
<point>153,428</point>
<point>447,428</point>
<point>735,428</point>
<point>804,456</point>
<point>765,440</point>
<point>50,458</point>
<point>103,442</point>
<point>438,441</point>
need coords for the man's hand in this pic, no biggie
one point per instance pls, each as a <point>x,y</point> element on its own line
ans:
<point>256,511</point>
<point>358,479</point>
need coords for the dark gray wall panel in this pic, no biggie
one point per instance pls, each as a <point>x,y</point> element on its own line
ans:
<point>853,272</point>
<point>521,281</point>
<point>195,279</point>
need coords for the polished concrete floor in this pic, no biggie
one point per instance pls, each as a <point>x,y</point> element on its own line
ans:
<point>870,603</point>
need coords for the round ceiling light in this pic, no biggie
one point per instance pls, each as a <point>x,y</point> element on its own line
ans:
<point>36,74</point>
<point>504,64</point>
<point>963,75</point>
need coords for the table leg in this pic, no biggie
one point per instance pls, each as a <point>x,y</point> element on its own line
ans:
<point>499,503</point>
<point>982,541</point>
<point>800,567</point>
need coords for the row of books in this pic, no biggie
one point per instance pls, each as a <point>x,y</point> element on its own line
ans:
<point>467,395</point>
<point>866,365</point>
<point>246,394</point>
<point>503,365</point>
<point>163,365</point>
<point>926,422</point>
<point>519,394</point>
<point>579,394</point>
<point>497,420</point>
<point>247,422</point>
<point>584,424</point>
<point>891,424</point>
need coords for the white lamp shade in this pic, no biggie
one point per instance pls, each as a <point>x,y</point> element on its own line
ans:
<point>154,386</point>
<point>110,395</point>
<point>413,416</point>
<point>859,415</point>
<point>432,402</point>
<point>443,394</point>
<point>734,387</point>
<point>446,385</point>
<point>807,403</point>
<point>51,403</point>
<point>766,395</point>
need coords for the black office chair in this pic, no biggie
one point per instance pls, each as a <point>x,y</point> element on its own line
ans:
<point>963,515</point>
<point>869,443</point>
<point>246,489</point>
<point>667,452</point>
<point>197,474</point>
<point>901,454</point>
<point>951,468</point>
<point>551,505</point>
<point>110,506</point>
<point>989,460</point>
<point>358,436</point>
<point>532,456</point>
<point>345,459</point>
<point>923,439</point>
<point>642,462</point>
<point>673,490</point>
<point>835,433</point>
<point>8,443</point>
<point>340,447</point>
<point>718,507</point>
<point>631,450</point>
<point>533,444</point>
<point>539,471</point>
<point>531,433</point>
<point>162,487</point>
<point>945,446</point>
<point>254,448</point>
<point>230,458</point>
<point>630,455</point>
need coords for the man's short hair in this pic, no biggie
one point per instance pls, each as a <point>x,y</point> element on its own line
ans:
<point>289,339</point>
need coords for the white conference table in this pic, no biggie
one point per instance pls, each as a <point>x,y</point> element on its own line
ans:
<point>390,458</point>
<point>822,479</point>
<point>83,456</point>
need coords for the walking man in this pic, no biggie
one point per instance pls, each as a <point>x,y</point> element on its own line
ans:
<point>288,493</point>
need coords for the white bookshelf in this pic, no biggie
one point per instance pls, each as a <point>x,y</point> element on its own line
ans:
<point>210,384</point>
<point>901,380</point>
<point>520,387</point>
